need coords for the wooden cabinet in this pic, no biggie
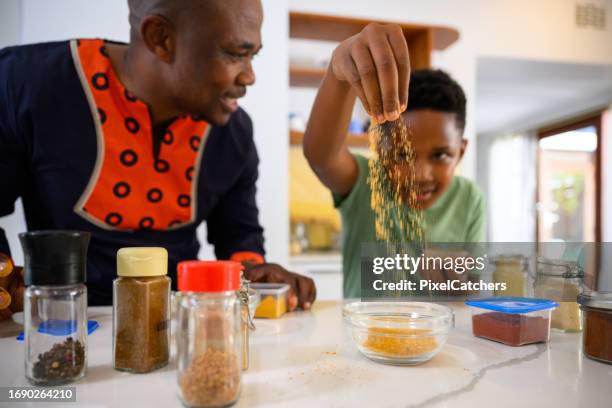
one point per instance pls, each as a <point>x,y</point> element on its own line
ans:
<point>422,40</point>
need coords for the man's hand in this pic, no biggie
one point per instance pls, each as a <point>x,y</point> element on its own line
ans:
<point>376,64</point>
<point>302,292</point>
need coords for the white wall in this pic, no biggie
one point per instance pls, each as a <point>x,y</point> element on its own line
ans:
<point>10,22</point>
<point>266,101</point>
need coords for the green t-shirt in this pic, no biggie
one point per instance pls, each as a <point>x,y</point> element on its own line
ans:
<point>457,216</point>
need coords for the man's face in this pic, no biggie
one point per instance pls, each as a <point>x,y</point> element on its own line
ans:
<point>214,51</point>
<point>438,147</point>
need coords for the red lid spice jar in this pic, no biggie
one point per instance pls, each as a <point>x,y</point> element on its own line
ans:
<point>597,325</point>
<point>514,321</point>
<point>209,338</point>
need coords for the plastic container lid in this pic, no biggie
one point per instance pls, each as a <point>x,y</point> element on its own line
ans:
<point>512,304</point>
<point>209,276</point>
<point>55,257</point>
<point>142,262</point>
<point>277,289</point>
<point>600,300</point>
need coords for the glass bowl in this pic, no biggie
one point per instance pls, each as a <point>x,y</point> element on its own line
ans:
<point>399,333</point>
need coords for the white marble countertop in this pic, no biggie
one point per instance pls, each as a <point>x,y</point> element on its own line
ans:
<point>307,359</point>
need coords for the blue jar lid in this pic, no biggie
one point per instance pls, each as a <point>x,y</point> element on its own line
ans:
<point>512,304</point>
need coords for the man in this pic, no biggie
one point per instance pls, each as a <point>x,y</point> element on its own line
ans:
<point>139,143</point>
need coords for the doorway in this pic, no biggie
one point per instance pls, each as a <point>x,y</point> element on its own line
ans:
<point>569,182</point>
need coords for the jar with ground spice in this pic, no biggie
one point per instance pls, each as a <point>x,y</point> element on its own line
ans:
<point>210,336</point>
<point>513,270</point>
<point>561,281</point>
<point>55,306</point>
<point>141,310</point>
<point>597,325</point>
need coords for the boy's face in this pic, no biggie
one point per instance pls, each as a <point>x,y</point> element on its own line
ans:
<point>438,147</point>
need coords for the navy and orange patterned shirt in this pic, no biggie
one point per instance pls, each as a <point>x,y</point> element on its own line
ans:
<point>78,148</point>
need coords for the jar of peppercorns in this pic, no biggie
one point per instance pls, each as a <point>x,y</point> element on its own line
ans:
<point>55,306</point>
<point>210,337</point>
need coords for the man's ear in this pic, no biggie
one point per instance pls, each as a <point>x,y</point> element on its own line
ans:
<point>159,36</point>
<point>464,143</point>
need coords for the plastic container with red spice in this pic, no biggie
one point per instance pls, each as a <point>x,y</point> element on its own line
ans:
<point>514,321</point>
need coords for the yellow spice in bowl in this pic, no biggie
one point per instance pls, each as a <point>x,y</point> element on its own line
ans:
<point>392,341</point>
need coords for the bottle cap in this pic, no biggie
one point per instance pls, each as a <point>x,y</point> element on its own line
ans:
<point>55,257</point>
<point>142,261</point>
<point>209,276</point>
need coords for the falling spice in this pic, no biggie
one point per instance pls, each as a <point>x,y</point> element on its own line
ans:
<point>394,192</point>
<point>397,342</point>
<point>511,329</point>
<point>64,362</point>
<point>212,379</point>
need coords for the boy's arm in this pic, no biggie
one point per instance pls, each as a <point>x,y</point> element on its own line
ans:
<point>373,65</point>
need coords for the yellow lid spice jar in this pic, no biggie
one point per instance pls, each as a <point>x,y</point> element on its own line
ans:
<point>141,310</point>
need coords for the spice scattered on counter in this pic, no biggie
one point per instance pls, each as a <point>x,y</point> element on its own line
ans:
<point>395,343</point>
<point>63,362</point>
<point>511,329</point>
<point>394,193</point>
<point>212,379</point>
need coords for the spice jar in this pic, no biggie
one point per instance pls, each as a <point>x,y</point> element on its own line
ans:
<point>513,321</point>
<point>209,338</point>
<point>55,306</point>
<point>141,310</point>
<point>597,333</point>
<point>513,271</point>
<point>560,280</point>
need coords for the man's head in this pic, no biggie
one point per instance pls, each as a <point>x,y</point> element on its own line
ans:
<point>200,51</point>
<point>436,119</point>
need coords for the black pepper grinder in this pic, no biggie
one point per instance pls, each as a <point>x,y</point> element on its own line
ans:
<point>55,306</point>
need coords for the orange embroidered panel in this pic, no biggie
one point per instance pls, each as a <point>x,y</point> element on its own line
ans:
<point>130,189</point>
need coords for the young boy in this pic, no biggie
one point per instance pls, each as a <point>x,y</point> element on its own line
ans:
<point>454,208</point>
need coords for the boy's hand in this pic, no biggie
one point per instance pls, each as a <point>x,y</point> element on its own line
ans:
<point>376,64</point>
<point>302,292</point>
